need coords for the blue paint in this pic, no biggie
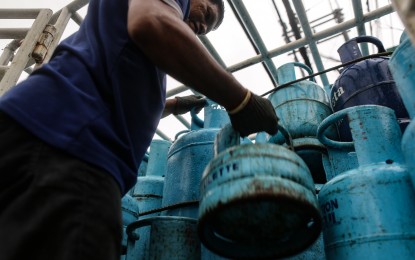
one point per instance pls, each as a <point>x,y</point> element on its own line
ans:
<point>188,157</point>
<point>402,67</point>
<point>170,237</point>
<point>129,213</point>
<point>368,211</point>
<point>301,107</point>
<point>248,185</point>
<point>148,193</point>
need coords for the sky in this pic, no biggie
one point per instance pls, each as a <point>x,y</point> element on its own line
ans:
<point>234,47</point>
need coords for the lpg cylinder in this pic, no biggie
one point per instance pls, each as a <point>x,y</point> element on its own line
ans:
<point>368,212</point>
<point>364,83</point>
<point>187,159</point>
<point>338,161</point>
<point>301,107</point>
<point>141,171</point>
<point>149,192</point>
<point>256,200</point>
<point>129,213</point>
<point>143,166</point>
<point>402,66</point>
<point>171,237</point>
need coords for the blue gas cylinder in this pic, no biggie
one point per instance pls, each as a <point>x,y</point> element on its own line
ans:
<point>129,213</point>
<point>143,166</point>
<point>366,82</point>
<point>301,107</point>
<point>339,160</point>
<point>187,159</point>
<point>148,193</point>
<point>256,200</point>
<point>368,212</point>
<point>402,66</point>
<point>171,237</point>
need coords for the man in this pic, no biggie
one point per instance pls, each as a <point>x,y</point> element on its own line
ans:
<point>73,134</point>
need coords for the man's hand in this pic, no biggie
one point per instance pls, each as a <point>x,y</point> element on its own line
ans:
<point>187,103</point>
<point>181,105</point>
<point>256,115</point>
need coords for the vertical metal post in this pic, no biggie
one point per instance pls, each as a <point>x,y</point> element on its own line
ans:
<point>358,14</point>
<point>302,16</point>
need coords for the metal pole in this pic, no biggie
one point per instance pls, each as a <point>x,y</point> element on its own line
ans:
<point>13,33</point>
<point>255,38</point>
<point>358,14</point>
<point>19,13</point>
<point>163,135</point>
<point>302,16</point>
<point>317,36</point>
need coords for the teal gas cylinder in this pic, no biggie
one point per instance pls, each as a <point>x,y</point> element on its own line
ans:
<point>171,237</point>
<point>256,200</point>
<point>339,160</point>
<point>402,66</point>
<point>368,212</point>
<point>143,166</point>
<point>187,159</point>
<point>214,117</point>
<point>366,82</point>
<point>142,169</point>
<point>129,213</point>
<point>301,107</point>
<point>149,192</point>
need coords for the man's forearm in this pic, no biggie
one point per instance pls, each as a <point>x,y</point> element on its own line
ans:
<point>170,44</point>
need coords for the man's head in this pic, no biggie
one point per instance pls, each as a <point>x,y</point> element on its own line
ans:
<point>205,15</point>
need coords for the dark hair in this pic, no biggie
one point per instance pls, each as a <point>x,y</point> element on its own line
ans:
<point>221,7</point>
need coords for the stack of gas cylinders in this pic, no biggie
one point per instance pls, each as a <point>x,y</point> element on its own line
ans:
<point>336,181</point>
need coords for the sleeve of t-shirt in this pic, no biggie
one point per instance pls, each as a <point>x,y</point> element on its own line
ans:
<point>182,7</point>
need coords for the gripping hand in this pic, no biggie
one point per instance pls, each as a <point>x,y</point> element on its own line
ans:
<point>254,114</point>
<point>187,103</point>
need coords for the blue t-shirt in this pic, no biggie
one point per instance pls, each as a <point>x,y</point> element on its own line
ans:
<point>99,98</point>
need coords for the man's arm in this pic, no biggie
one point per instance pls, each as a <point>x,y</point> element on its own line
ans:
<point>156,28</point>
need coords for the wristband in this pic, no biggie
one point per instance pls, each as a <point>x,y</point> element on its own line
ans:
<point>241,105</point>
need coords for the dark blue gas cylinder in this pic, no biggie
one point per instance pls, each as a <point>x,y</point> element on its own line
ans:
<point>366,82</point>
<point>186,160</point>
<point>368,212</point>
<point>301,107</point>
<point>402,66</point>
<point>149,192</point>
<point>257,200</point>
